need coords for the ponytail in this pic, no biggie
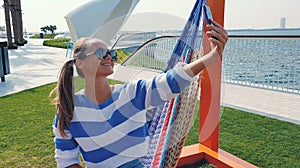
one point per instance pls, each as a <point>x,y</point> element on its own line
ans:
<point>64,100</point>
<point>65,97</point>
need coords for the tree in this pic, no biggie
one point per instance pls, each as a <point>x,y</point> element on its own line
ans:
<point>14,19</point>
<point>52,28</point>
<point>44,29</point>
<point>47,28</point>
<point>20,19</point>
<point>16,16</point>
<point>7,23</point>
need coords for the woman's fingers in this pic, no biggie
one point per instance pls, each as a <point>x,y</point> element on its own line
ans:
<point>217,25</point>
<point>217,35</point>
<point>218,32</point>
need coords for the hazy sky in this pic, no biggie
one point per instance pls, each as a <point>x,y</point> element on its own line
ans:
<point>239,14</point>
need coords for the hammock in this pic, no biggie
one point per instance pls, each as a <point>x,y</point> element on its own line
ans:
<point>171,123</point>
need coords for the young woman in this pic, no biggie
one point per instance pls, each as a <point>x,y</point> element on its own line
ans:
<point>106,124</point>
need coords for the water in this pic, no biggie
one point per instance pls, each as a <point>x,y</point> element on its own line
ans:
<point>264,62</point>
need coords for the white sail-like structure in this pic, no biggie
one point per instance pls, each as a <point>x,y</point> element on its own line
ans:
<point>100,19</point>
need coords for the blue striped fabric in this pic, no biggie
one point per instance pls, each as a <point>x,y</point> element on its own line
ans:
<point>116,131</point>
<point>187,43</point>
<point>183,50</point>
<point>190,39</point>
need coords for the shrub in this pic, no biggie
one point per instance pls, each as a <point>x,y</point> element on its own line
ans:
<point>49,36</point>
<point>60,43</point>
<point>122,55</point>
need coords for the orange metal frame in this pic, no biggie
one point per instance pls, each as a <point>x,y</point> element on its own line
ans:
<point>208,146</point>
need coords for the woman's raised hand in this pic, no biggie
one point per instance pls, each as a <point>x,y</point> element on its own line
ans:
<point>217,35</point>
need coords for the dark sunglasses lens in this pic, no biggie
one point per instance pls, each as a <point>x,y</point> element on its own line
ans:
<point>100,53</point>
<point>113,55</point>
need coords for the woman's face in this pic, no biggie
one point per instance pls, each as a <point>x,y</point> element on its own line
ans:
<point>91,66</point>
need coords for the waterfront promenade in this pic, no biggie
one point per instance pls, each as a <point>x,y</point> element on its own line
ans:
<point>34,65</point>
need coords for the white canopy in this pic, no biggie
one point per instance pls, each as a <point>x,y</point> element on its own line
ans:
<point>100,19</point>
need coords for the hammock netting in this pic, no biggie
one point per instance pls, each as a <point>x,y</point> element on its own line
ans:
<point>171,123</point>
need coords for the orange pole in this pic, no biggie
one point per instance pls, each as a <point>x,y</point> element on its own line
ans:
<point>194,153</point>
<point>211,88</point>
<point>208,146</point>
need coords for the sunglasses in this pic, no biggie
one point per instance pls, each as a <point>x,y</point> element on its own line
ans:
<point>102,53</point>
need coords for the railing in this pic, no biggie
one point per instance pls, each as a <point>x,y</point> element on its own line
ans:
<point>154,54</point>
<point>269,62</point>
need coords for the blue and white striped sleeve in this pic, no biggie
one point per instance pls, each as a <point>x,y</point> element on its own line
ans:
<point>154,92</point>
<point>66,148</point>
<point>167,86</point>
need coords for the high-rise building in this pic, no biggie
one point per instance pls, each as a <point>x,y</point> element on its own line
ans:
<point>282,22</point>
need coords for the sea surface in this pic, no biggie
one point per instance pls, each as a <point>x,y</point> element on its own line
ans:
<point>270,62</point>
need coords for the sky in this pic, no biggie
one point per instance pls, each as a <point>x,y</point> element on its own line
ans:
<point>239,14</point>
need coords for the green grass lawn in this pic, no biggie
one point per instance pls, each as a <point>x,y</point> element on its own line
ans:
<point>262,141</point>
<point>26,138</point>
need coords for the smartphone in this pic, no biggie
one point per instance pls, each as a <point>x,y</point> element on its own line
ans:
<point>208,14</point>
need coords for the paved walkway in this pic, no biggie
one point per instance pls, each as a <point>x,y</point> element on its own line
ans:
<point>33,65</point>
<point>269,103</point>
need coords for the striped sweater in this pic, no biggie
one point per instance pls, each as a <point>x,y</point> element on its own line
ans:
<point>115,132</point>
